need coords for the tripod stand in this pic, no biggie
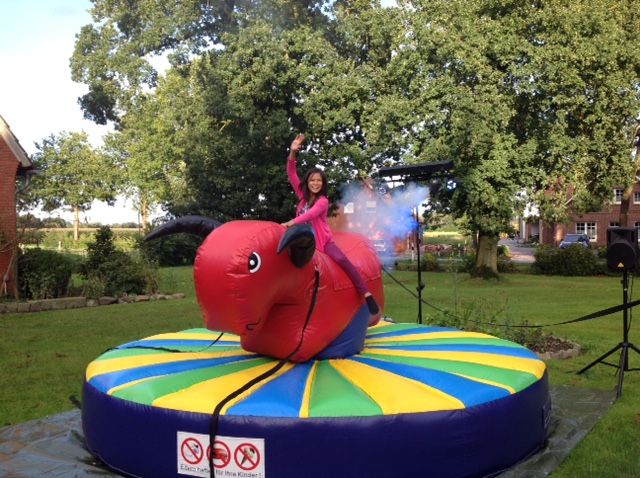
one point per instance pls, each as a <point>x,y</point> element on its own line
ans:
<point>625,345</point>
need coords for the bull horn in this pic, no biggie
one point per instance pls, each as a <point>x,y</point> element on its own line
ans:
<point>301,242</point>
<point>197,225</point>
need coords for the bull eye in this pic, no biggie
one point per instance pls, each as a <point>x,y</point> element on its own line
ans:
<point>254,262</point>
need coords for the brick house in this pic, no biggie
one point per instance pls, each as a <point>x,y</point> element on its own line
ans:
<point>14,162</point>
<point>594,224</point>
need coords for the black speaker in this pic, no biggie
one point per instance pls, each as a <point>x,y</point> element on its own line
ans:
<point>622,249</point>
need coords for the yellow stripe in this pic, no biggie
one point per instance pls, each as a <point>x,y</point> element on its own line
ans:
<point>203,397</point>
<point>306,395</point>
<point>205,335</point>
<point>431,336</point>
<point>381,324</point>
<point>509,389</point>
<point>125,363</point>
<point>533,366</point>
<point>393,393</point>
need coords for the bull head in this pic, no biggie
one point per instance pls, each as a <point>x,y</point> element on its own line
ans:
<point>240,273</point>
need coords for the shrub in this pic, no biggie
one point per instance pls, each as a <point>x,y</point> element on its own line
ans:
<point>489,318</point>
<point>109,271</point>
<point>44,274</point>
<point>170,251</point>
<point>572,261</point>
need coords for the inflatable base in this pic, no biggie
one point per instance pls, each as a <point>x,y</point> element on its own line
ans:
<point>417,401</point>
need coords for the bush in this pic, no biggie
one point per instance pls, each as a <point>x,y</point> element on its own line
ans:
<point>170,251</point>
<point>44,274</point>
<point>109,271</point>
<point>572,261</point>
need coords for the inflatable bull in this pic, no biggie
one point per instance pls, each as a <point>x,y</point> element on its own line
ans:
<point>270,286</point>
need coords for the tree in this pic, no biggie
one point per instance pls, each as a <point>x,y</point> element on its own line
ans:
<point>114,54</point>
<point>523,98</point>
<point>147,156</point>
<point>73,174</point>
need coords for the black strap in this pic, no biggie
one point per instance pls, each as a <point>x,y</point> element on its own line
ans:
<point>594,315</point>
<point>215,416</point>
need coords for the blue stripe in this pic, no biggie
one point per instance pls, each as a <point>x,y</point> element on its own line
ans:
<point>109,380</point>
<point>176,343</point>
<point>411,331</point>
<point>487,349</point>
<point>467,391</point>
<point>281,397</point>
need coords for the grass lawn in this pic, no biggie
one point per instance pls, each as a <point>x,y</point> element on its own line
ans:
<point>44,355</point>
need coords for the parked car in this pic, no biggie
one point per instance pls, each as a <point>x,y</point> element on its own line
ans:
<point>572,239</point>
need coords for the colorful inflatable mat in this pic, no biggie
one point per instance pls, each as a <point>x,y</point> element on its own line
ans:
<point>417,401</point>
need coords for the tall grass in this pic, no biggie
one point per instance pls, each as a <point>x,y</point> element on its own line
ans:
<point>43,355</point>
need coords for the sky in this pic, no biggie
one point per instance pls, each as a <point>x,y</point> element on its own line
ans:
<point>37,96</point>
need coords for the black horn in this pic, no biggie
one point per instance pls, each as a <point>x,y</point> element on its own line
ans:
<point>197,225</point>
<point>301,242</point>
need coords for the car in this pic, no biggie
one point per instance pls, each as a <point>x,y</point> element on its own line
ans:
<point>575,239</point>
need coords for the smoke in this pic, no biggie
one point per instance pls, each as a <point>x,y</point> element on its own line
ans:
<point>381,214</point>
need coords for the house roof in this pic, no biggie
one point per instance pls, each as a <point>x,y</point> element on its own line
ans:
<point>14,145</point>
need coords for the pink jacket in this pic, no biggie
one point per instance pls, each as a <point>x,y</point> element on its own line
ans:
<point>316,215</point>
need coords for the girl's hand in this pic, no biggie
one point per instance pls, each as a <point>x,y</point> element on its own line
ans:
<point>288,224</point>
<point>296,144</point>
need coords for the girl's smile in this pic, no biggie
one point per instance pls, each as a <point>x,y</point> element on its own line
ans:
<point>315,183</point>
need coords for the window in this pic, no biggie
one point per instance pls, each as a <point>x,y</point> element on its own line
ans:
<point>617,196</point>
<point>637,226</point>
<point>614,224</point>
<point>636,197</point>
<point>588,228</point>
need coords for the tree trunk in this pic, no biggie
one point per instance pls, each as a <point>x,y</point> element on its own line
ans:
<point>144,213</point>
<point>487,256</point>
<point>76,224</point>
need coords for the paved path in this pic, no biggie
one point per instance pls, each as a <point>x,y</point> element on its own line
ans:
<point>519,252</point>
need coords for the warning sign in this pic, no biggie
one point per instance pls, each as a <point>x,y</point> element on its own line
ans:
<point>232,457</point>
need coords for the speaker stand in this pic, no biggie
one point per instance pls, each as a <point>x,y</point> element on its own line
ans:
<point>625,345</point>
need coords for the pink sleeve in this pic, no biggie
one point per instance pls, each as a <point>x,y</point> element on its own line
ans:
<point>318,210</point>
<point>294,180</point>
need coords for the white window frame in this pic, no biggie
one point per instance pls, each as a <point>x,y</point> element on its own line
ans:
<point>637,226</point>
<point>588,228</point>
<point>614,224</point>
<point>617,195</point>
<point>636,197</point>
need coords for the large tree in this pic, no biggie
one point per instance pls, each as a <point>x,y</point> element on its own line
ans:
<point>224,119</point>
<point>530,97</point>
<point>115,54</point>
<point>73,175</point>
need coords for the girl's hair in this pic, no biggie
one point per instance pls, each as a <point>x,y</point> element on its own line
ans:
<point>304,184</point>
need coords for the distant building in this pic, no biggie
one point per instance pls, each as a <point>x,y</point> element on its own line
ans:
<point>14,162</point>
<point>593,224</point>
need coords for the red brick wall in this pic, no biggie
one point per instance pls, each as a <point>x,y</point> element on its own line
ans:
<point>8,170</point>
<point>554,234</point>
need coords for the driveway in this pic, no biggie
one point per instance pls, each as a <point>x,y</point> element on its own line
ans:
<point>522,253</point>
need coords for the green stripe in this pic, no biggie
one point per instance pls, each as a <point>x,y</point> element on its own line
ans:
<point>147,391</point>
<point>512,378</point>
<point>333,395</point>
<point>454,341</point>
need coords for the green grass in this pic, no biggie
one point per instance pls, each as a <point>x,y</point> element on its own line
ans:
<point>44,355</point>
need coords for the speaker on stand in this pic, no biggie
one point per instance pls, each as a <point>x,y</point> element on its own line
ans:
<point>622,256</point>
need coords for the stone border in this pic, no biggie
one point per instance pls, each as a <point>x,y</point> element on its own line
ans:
<point>79,302</point>
<point>571,352</point>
